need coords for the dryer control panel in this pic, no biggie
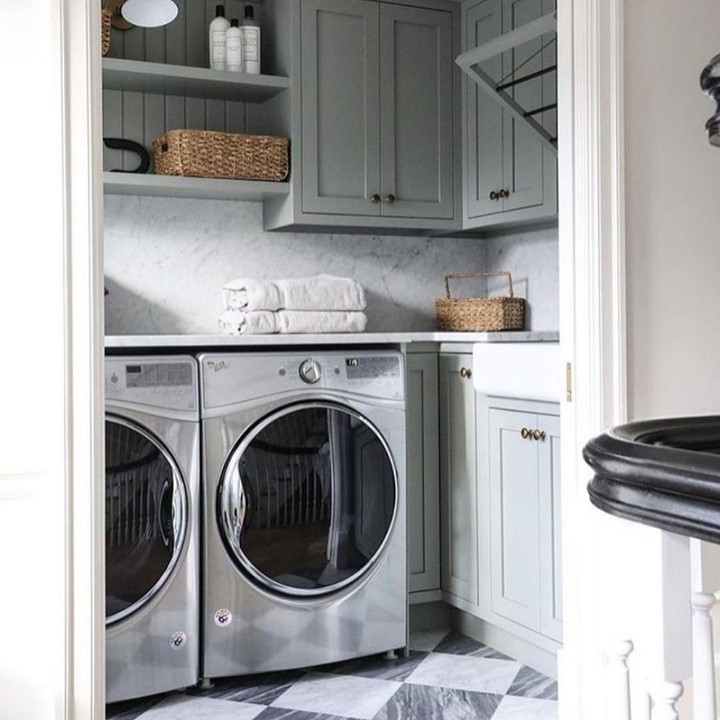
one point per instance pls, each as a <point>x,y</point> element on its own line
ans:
<point>229,379</point>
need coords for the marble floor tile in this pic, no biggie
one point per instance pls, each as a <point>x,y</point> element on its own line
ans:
<point>131,709</point>
<point>272,713</point>
<point>354,697</point>
<point>427,640</point>
<point>412,702</point>
<point>376,666</point>
<point>261,689</point>
<point>456,643</point>
<point>182,707</point>
<point>530,683</point>
<point>464,672</point>
<point>520,708</point>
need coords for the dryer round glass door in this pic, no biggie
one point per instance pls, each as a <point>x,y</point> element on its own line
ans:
<point>308,499</point>
<point>145,517</point>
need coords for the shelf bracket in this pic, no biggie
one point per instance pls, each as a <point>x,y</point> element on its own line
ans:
<point>469,61</point>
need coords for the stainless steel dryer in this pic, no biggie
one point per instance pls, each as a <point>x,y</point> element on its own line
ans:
<point>304,487</point>
<point>152,467</point>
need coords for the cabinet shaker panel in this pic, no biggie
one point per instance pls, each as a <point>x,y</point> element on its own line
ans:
<point>340,107</point>
<point>458,479</point>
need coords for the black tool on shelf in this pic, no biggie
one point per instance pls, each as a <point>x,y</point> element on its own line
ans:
<point>133,147</point>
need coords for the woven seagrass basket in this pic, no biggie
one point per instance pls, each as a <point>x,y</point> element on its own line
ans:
<point>485,314</point>
<point>106,16</point>
<point>209,154</point>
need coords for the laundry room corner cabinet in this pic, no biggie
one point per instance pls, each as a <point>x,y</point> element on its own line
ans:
<point>510,177</point>
<point>374,115</point>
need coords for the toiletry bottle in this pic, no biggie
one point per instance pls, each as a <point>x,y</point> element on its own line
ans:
<point>234,47</point>
<point>251,42</point>
<point>218,47</point>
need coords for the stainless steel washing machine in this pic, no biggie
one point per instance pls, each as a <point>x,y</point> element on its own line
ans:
<point>304,501</point>
<point>152,470</point>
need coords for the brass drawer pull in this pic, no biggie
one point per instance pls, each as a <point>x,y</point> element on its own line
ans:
<point>526,434</point>
<point>504,194</point>
<point>494,195</point>
<point>390,199</point>
<point>539,435</point>
<point>466,373</point>
<point>375,199</point>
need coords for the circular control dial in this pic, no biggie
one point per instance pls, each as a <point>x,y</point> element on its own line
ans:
<point>310,372</point>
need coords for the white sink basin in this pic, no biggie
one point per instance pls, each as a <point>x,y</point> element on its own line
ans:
<point>519,370</point>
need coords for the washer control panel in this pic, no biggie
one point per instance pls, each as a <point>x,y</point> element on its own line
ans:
<point>310,372</point>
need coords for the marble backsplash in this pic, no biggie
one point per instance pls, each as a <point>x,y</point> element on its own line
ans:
<point>166,260</point>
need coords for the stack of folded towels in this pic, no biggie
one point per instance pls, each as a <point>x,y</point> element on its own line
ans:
<point>319,304</point>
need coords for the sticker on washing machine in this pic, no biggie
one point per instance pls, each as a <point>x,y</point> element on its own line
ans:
<point>223,618</point>
<point>178,640</point>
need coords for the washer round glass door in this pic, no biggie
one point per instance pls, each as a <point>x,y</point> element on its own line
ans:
<point>145,517</point>
<point>308,499</point>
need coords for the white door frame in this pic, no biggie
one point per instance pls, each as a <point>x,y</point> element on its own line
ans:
<point>51,385</point>
<point>592,328</point>
<point>592,322</point>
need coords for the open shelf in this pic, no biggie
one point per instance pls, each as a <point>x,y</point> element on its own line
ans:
<point>188,187</point>
<point>163,79</point>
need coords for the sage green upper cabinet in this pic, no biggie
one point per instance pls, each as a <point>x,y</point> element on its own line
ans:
<point>340,107</point>
<point>373,118</point>
<point>510,177</point>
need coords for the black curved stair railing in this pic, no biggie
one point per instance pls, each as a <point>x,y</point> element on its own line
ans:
<point>664,473</point>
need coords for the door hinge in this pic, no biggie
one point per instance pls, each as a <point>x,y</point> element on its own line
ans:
<point>568,382</point>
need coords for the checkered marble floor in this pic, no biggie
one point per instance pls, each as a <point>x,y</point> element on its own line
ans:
<point>447,677</point>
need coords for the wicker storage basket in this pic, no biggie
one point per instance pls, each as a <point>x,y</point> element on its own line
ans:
<point>480,314</point>
<point>238,156</point>
<point>106,16</point>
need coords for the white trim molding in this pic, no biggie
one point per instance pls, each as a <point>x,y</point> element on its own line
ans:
<point>51,425</point>
<point>592,322</point>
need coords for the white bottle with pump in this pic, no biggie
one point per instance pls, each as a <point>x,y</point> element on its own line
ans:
<point>234,47</point>
<point>251,42</point>
<point>218,47</point>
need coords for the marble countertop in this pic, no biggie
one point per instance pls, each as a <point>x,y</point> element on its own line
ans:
<point>389,338</point>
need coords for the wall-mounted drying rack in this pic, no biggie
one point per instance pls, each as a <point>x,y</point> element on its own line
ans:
<point>469,63</point>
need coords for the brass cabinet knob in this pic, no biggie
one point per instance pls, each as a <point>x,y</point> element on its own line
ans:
<point>494,195</point>
<point>390,199</point>
<point>525,433</point>
<point>504,194</point>
<point>539,435</point>
<point>375,199</point>
<point>465,373</point>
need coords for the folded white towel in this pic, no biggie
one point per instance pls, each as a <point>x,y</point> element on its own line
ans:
<point>264,322</point>
<point>321,292</point>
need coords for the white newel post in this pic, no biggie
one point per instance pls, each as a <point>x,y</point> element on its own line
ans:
<point>618,707</point>
<point>703,657</point>
<point>664,700</point>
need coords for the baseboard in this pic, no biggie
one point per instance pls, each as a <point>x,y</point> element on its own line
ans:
<point>544,661</point>
<point>429,616</point>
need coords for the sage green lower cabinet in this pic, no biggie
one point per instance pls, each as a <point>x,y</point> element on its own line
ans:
<point>519,489</point>
<point>423,467</point>
<point>458,482</point>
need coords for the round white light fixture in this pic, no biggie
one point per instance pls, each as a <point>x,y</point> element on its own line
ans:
<point>149,13</point>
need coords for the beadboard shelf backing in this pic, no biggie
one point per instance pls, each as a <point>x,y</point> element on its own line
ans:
<point>187,187</point>
<point>180,80</point>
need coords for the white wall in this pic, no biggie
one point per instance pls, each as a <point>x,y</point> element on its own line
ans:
<point>673,209</point>
<point>166,260</point>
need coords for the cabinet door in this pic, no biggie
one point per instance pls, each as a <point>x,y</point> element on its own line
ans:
<point>483,122</point>
<point>340,107</point>
<point>458,479</point>
<point>551,612</point>
<point>514,518</point>
<point>416,101</point>
<point>423,468</point>
<point>529,169</point>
